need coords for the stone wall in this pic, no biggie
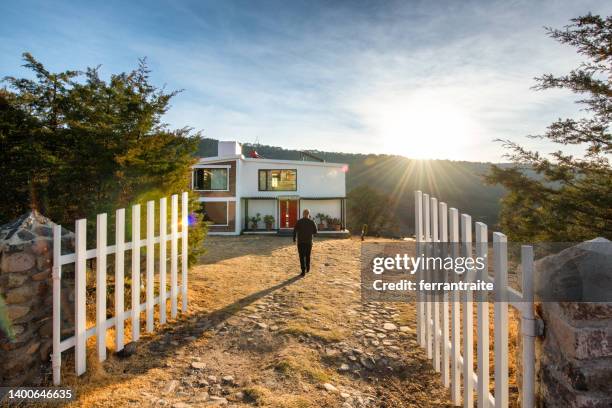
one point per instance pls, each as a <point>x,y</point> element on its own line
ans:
<point>574,356</point>
<point>26,286</point>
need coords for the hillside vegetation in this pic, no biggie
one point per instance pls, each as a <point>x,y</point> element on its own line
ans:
<point>458,183</point>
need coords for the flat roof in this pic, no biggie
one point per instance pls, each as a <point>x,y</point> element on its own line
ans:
<point>276,161</point>
<point>297,197</point>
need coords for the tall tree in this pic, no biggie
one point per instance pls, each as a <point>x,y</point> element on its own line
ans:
<point>74,145</point>
<point>571,199</point>
<point>368,206</point>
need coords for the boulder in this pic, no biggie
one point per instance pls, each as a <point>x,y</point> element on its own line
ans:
<point>581,273</point>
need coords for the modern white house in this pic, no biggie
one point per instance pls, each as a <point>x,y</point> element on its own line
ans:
<point>234,189</point>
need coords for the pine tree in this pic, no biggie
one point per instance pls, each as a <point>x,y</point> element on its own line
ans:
<point>368,206</point>
<point>75,145</point>
<point>570,198</point>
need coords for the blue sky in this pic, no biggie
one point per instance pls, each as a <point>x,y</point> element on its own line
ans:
<point>430,79</point>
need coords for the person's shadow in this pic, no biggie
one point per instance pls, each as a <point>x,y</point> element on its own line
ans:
<point>185,329</point>
<point>205,321</point>
<point>228,311</point>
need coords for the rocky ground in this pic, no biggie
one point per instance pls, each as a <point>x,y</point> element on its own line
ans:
<point>258,335</point>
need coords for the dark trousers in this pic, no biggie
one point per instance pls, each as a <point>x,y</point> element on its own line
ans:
<point>304,251</point>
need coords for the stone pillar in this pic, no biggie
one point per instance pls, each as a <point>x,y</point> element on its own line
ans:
<point>574,356</point>
<point>26,289</point>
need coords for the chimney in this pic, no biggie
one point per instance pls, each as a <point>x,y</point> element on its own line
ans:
<point>229,148</point>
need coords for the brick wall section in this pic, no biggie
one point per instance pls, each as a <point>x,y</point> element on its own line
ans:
<point>231,220</point>
<point>574,357</point>
<point>26,285</point>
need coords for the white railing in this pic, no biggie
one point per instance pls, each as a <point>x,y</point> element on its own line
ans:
<point>100,253</point>
<point>439,332</point>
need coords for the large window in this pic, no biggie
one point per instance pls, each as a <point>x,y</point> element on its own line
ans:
<point>210,179</point>
<point>215,212</point>
<point>277,180</point>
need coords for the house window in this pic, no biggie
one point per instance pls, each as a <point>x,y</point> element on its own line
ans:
<point>278,180</point>
<point>215,213</point>
<point>211,179</point>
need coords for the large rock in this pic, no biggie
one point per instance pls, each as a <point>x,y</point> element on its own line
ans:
<point>16,312</point>
<point>17,262</point>
<point>19,294</point>
<point>582,273</point>
<point>15,280</point>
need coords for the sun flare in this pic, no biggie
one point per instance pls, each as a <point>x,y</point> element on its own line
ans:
<point>423,127</point>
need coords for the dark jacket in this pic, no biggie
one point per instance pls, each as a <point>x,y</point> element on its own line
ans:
<point>304,228</point>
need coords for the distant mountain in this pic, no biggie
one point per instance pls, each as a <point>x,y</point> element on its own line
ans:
<point>458,183</point>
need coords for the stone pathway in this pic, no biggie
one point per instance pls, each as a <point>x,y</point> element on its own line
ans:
<point>284,341</point>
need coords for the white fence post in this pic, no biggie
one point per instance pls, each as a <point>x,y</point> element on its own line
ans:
<point>434,220</point>
<point>56,357</point>
<point>80,321</point>
<point>482,310</point>
<point>135,272</point>
<point>150,299</point>
<point>163,253</point>
<point>435,296</point>
<point>101,286</point>
<point>174,255</point>
<point>528,328</point>
<point>184,256</point>
<point>426,296</point>
<point>443,219</point>
<point>426,217</point>
<point>119,278</point>
<point>455,315</point>
<point>418,208</point>
<point>468,318</point>
<point>500,254</point>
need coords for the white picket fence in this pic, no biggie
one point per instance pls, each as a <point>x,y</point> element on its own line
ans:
<point>100,253</point>
<point>439,331</point>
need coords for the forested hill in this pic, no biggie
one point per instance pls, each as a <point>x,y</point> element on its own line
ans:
<point>458,183</point>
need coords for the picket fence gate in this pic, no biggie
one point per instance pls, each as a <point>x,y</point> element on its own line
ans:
<point>82,254</point>
<point>439,332</point>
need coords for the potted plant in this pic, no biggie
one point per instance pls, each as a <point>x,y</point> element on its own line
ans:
<point>321,217</point>
<point>328,222</point>
<point>269,221</point>
<point>335,223</point>
<point>255,220</point>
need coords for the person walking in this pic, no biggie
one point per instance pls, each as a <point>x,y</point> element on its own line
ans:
<point>304,229</point>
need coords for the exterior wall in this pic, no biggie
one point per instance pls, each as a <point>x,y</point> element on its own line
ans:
<point>228,148</point>
<point>232,181</point>
<point>331,208</point>
<point>231,220</point>
<point>313,179</point>
<point>264,207</point>
<point>574,356</point>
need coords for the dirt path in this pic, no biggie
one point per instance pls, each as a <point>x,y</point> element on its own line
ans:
<point>256,334</point>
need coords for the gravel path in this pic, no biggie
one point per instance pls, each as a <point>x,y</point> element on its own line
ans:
<point>258,335</point>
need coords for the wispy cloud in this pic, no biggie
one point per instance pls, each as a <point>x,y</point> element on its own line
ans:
<point>327,75</point>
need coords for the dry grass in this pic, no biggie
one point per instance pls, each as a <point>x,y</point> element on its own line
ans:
<point>300,363</point>
<point>328,335</point>
<point>261,396</point>
<point>255,275</point>
<point>514,353</point>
